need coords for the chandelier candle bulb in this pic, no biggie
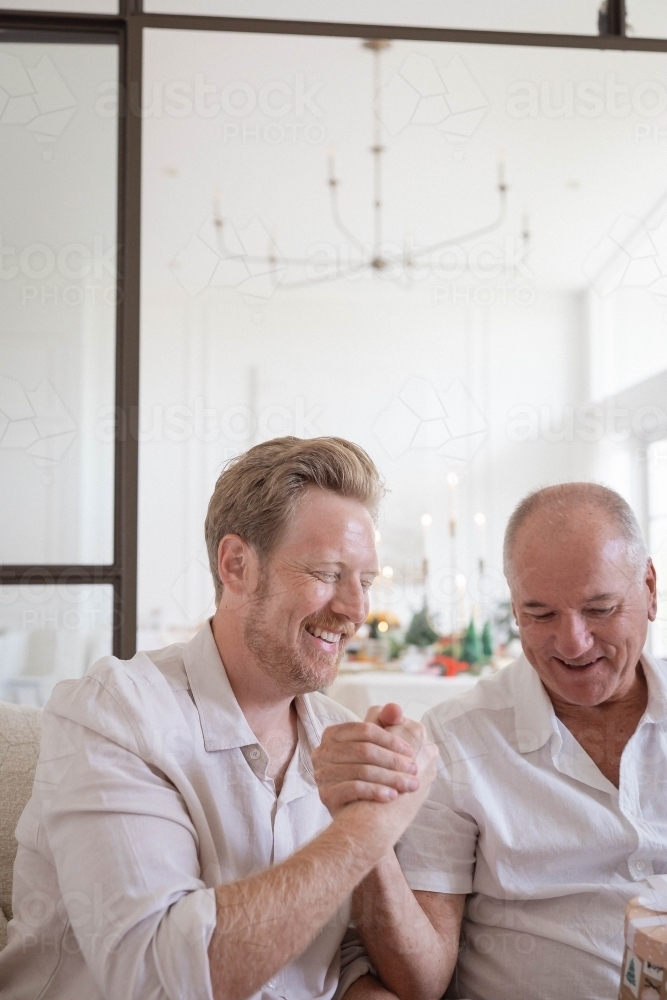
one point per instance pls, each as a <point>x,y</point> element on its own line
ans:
<point>426,523</point>
<point>453,483</point>
<point>480,523</point>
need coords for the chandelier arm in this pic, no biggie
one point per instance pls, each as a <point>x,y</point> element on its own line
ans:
<point>226,254</point>
<point>342,228</point>
<point>464,237</point>
<point>275,261</point>
<point>284,286</point>
<point>223,249</point>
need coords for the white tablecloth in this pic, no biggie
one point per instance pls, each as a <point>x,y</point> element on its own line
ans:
<point>415,693</point>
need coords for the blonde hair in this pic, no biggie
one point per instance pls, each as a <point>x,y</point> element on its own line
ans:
<point>258,492</point>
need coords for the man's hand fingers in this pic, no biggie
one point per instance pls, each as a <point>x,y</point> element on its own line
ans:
<point>412,732</point>
<point>363,753</point>
<point>368,732</point>
<point>338,775</point>
<point>355,791</point>
<point>390,714</point>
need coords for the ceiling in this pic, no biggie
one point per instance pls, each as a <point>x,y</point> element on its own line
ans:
<point>252,117</point>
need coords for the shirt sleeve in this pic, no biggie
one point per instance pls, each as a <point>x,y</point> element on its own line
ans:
<point>125,851</point>
<point>437,852</point>
<point>354,962</point>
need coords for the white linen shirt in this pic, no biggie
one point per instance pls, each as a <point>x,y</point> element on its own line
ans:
<point>151,789</point>
<point>550,851</point>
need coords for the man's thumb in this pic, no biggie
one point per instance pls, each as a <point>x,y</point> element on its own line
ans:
<point>390,714</point>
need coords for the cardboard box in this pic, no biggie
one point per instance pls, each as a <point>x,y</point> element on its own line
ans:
<point>644,970</point>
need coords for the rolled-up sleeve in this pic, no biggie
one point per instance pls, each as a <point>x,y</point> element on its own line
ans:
<point>354,962</point>
<point>126,854</point>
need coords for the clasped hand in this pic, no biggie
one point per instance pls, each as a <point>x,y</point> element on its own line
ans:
<point>375,760</point>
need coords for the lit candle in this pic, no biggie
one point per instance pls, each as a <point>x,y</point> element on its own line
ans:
<point>501,171</point>
<point>480,521</point>
<point>427,521</point>
<point>453,481</point>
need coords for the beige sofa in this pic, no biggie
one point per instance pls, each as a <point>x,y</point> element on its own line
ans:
<point>20,728</point>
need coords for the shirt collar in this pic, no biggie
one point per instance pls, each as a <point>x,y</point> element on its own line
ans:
<point>656,679</point>
<point>535,718</point>
<point>223,723</point>
<point>534,713</point>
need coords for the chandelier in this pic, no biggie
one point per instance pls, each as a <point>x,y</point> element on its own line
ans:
<point>371,256</point>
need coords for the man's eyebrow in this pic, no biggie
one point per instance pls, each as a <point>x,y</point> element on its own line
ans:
<point>589,600</point>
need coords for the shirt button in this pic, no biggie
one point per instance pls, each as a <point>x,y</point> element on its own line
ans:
<point>640,866</point>
<point>255,754</point>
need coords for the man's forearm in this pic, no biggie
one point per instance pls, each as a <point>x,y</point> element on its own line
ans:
<point>410,956</point>
<point>265,921</point>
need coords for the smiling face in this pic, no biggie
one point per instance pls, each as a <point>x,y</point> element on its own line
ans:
<point>581,605</point>
<point>313,593</point>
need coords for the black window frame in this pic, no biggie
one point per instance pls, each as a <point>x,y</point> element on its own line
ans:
<point>127,28</point>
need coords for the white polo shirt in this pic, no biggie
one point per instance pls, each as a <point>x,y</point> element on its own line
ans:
<point>549,851</point>
<point>151,789</point>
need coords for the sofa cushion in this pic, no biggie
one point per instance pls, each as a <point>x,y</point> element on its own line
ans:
<point>20,728</point>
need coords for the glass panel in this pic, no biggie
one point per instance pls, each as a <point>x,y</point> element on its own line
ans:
<point>578,17</point>
<point>58,125</point>
<point>473,372</point>
<point>657,503</point>
<point>73,6</point>
<point>646,18</point>
<point>50,632</point>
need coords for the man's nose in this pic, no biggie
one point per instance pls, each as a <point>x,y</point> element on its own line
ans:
<point>573,637</point>
<point>350,602</point>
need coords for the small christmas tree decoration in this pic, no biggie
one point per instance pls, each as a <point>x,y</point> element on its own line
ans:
<point>471,651</point>
<point>420,632</point>
<point>487,641</point>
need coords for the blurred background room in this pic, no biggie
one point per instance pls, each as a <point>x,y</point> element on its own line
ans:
<point>445,240</point>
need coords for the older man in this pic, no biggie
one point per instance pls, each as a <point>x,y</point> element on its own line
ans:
<point>550,808</point>
<point>175,846</point>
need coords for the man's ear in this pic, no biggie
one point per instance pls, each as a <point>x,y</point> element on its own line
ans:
<point>236,564</point>
<point>652,584</point>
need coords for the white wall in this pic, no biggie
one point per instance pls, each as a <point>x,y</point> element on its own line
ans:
<point>325,362</point>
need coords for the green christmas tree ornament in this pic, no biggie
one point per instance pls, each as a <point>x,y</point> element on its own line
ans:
<point>420,632</point>
<point>471,651</point>
<point>487,641</point>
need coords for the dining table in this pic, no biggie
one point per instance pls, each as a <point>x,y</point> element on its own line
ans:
<point>416,693</point>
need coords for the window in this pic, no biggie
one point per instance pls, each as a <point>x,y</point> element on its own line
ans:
<point>229,358</point>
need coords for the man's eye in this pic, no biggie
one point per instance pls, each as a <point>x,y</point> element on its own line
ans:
<point>329,577</point>
<point>543,618</point>
<point>366,584</point>
<point>600,612</point>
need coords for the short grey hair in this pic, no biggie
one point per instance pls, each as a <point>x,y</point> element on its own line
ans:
<point>559,501</point>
